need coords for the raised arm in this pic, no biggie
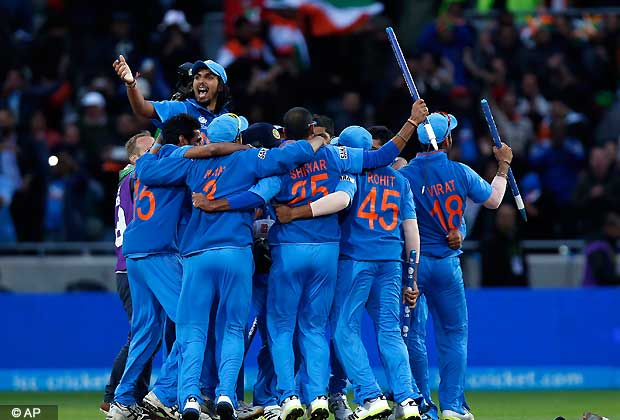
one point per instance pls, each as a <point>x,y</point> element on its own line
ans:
<point>139,105</point>
<point>386,154</point>
<point>504,157</point>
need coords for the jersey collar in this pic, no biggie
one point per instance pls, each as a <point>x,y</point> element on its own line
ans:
<point>435,154</point>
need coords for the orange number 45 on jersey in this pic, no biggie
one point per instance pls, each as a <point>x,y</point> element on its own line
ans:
<point>386,207</point>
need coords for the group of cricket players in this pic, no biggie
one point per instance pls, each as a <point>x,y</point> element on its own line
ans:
<point>327,222</point>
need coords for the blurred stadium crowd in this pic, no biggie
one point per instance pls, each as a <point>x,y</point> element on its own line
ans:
<point>552,80</point>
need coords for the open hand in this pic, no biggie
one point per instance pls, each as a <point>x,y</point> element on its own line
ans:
<point>122,70</point>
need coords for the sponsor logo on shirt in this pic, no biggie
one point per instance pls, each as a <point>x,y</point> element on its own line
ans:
<point>347,178</point>
<point>262,153</point>
<point>343,152</point>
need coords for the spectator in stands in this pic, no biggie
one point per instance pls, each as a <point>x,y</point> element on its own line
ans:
<point>513,125</point>
<point>176,45</point>
<point>503,258</point>
<point>10,178</point>
<point>558,162</point>
<point>531,102</point>
<point>598,190</point>
<point>600,253</point>
<point>448,37</point>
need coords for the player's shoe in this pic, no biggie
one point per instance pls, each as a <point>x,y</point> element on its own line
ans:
<point>225,408</point>
<point>271,412</point>
<point>208,407</point>
<point>191,410</point>
<point>120,411</point>
<point>104,407</point>
<point>339,406</point>
<point>246,411</point>
<point>406,410</point>
<point>318,409</point>
<point>157,408</point>
<point>372,408</point>
<point>291,408</point>
<point>453,415</point>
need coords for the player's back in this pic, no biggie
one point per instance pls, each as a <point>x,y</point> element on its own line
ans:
<point>304,184</point>
<point>217,178</point>
<point>159,215</point>
<point>440,188</point>
<point>370,227</point>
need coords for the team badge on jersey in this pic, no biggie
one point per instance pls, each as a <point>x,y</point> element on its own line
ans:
<point>347,178</point>
<point>343,152</point>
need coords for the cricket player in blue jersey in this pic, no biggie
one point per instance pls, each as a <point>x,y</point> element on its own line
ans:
<point>303,272</point>
<point>217,264</point>
<point>154,271</point>
<point>304,269</point>
<point>380,204</point>
<point>210,98</point>
<point>440,188</point>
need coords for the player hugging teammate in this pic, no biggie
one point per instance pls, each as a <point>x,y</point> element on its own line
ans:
<point>344,220</point>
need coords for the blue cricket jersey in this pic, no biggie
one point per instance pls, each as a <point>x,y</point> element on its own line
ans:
<point>440,208</point>
<point>168,109</point>
<point>371,227</point>
<point>160,214</point>
<point>309,182</point>
<point>217,178</point>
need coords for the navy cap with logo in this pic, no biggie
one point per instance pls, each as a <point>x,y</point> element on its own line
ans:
<point>261,134</point>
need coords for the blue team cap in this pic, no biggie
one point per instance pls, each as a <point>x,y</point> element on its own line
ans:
<point>334,141</point>
<point>226,128</point>
<point>211,65</point>
<point>262,134</point>
<point>442,125</point>
<point>356,137</point>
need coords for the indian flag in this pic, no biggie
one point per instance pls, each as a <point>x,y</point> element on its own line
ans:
<point>330,17</point>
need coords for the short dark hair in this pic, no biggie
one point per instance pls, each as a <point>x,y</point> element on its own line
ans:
<point>179,125</point>
<point>382,133</point>
<point>130,146</point>
<point>297,122</point>
<point>325,121</point>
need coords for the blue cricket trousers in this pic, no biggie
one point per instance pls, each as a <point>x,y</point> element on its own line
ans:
<point>377,286</point>
<point>226,275</point>
<point>440,280</point>
<point>155,283</point>
<point>300,293</point>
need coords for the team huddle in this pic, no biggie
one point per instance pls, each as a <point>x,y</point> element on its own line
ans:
<point>308,230</point>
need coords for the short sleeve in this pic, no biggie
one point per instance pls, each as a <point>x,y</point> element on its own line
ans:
<point>478,189</point>
<point>168,109</point>
<point>349,159</point>
<point>267,188</point>
<point>348,184</point>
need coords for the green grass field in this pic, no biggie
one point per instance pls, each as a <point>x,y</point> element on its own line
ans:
<point>486,405</point>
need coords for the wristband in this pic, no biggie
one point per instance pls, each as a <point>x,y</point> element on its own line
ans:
<point>502,174</point>
<point>131,85</point>
<point>410,121</point>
